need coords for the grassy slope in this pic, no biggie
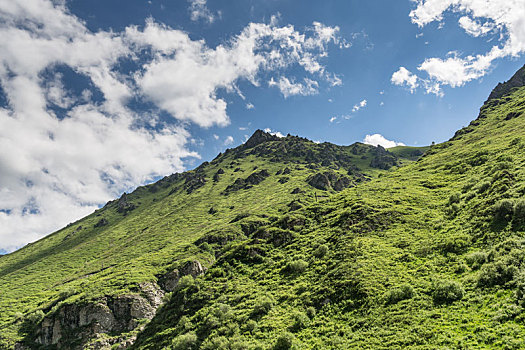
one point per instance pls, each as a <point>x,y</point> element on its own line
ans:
<point>428,256</point>
<point>83,262</point>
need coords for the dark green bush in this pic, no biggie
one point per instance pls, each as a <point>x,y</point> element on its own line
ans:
<point>263,306</point>
<point>519,213</point>
<point>296,266</point>
<point>186,281</point>
<point>186,341</point>
<point>454,198</point>
<point>310,311</point>
<point>301,320</point>
<point>503,210</point>
<point>284,342</point>
<point>485,185</point>
<point>321,251</point>
<point>395,295</point>
<point>446,292</point>
<point>496,273</point>
<point>476,260</point>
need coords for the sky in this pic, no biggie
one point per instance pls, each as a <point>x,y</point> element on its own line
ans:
<point>99,97</point>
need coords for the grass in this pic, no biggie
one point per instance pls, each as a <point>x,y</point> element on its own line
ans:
<point>425,255</point>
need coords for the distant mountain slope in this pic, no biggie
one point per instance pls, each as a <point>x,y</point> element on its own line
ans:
<point>109,265</point>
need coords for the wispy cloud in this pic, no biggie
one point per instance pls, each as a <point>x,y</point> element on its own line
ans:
<point>503,19</point>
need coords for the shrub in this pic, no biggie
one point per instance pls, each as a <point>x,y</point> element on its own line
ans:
<point>503,210</point>
<point>455,243</point>
<point>496,273</point>
<point>296,266</point>
<point>397,294</point>
<point>454,198</point>
<point>186,281</point>
<point>445,292</point>
<point>476,260</point>
<point>186,341</point>
<point>206,247</point>
<point>301,321</point>
<point>485,185</point>
<point>519,213</point>
<point>251,325</point>
<point>284,342</point>
<point>310,311</point>
<point>263,306</point>
<point>321,251</point>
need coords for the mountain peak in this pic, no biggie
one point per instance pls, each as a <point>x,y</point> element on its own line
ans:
<point>258,137</point>
<point>517,80</point>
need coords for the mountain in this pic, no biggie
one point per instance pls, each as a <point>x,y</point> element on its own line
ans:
<point>283,243</point>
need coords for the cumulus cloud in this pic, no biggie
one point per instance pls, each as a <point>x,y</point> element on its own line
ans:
<point>359,105</point>
<point>61,167</point>
<point>228,141</point>
<point>380,140</point>
<point>275,133</point>
<point>504,19</point>
<point>250,106</point>
<point>404,77</point>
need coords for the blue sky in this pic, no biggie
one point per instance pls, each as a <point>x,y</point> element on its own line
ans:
<point>98,97</point>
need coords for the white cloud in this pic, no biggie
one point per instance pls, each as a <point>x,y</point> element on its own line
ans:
<point>333,119</point>
<point>275,133</point>
<point>199,11</point>
<point>242,128</point>
<point>58,169</point>
<point>358,106</point>
<point>250,106</point>
<point>228,141</point>
<point>378,139</point>
<point>404,77</point>
<point>215,136</point>
<point>504,19</point>
<point>290,88</point>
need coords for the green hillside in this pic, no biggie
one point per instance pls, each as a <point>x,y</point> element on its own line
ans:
<point>155,229</point>
<point>283,243</point>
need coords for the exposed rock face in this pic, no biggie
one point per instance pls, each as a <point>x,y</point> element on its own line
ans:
<point>124,205</point>
<point>517,80</point>
<point>327,180</point>
<point>254,179</point>
<point>101,222</point>
<point>259,137</point>
<point>383,159</point>
<point>106,315</point>
<point>170,281</point>
<point>193,181</point>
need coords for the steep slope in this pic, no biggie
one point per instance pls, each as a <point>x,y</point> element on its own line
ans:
<point>100,279</point>
<point>428,256</point>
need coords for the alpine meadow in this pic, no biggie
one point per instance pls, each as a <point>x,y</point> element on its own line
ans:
<point>284,243</point>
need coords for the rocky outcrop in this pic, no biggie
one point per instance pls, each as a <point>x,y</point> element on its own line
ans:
<point>110,314</point>
<point>124,205</point>
<point>254,179</point>
<point>170,281</point>
<point>502,89</point>
<point>329,180</point>
<point>101,222</point>
<point>193,181</point>
<point>383,159</point>
<point>259,137</point>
